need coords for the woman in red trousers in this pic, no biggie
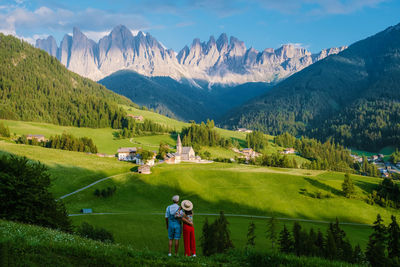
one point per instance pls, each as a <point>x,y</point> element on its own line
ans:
<point>188,229</point>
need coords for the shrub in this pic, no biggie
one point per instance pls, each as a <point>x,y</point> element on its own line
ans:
<point>25,196</point>
<point>95,233</point>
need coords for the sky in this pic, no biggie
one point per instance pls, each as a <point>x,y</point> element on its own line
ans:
<point>313,24</point>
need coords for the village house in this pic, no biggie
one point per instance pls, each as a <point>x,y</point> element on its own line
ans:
<point>144,169</point>
<point>138,118</point>
<point>38,137</point>
<point>150,162</point>
<point>127,153</point>
<point>289,150</point>
<point>249,153</point>
<point>374,157</point>
<point>357,158</point>
<point>244,130</point>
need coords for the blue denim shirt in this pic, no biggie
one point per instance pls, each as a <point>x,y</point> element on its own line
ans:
<point>170,213</point>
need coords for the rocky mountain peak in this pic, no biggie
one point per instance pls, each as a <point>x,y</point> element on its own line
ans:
<point>222,41</point>
<point>213,61</point>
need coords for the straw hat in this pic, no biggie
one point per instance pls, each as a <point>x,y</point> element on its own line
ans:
<point>187,205</point>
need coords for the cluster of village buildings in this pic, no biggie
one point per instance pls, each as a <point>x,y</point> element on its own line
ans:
<point>182,154</point>
<point>385,168</point>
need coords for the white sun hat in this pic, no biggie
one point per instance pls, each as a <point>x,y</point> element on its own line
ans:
<point>187,205</point>
<point>175,198</point>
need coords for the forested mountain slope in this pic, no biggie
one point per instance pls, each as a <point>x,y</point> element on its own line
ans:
<point>181,100</point>
<point>353,97</point>
<point>36,87</point>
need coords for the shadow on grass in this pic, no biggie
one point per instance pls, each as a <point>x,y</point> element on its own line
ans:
<point>324,186</point>
<point>135,193</point>
<point>366,187</point>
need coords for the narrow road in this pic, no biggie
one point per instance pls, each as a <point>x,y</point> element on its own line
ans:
<point>92,184</point>
<point>233,215</point>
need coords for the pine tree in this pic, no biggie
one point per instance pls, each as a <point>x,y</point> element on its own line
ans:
<point>330,246</point>
<point>393,239</point>
<point>220,233</point>
<point>348,186</point>
<point>285,241</point>
<point>251,236</point>
<point>358,255</point>
<point>206,241</point>
<point>297,238</point>
<point>272,234</point>
<point>376,245</point>
<point>319,243</point>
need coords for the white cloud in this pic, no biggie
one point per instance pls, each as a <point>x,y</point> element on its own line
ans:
<point>319,7</point>
<point>20,20</point>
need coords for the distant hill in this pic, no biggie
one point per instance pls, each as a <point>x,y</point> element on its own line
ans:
<point>353,97</point>
<point>35,86</point>
<point>179,99</point>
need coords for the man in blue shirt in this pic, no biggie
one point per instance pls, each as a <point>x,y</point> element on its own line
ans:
<point>173,224</point>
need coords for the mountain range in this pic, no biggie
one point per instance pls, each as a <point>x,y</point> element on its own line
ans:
<point>217,61</point>
<point>352,97</point>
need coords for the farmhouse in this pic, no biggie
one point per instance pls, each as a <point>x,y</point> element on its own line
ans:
<point>244,130</point>
<point>249,153</point>
<point>127,153</point>
<point>289,150</point>
<point>144,169</point>
<point>38,137</point>
<point>138,118</point>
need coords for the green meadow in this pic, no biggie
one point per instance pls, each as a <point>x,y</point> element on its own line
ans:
<point>245,193</point>
<point>140,201</point>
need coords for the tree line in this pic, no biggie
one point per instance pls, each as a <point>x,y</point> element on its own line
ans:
<point>325,156</point>
<point>256,140</point>
<point>383,248</point>
<point>131,128</point>
<point>4,130</point>
<point>64,141</point>
<point>203,134</point>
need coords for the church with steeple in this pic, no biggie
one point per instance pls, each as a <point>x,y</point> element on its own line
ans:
<point>183,153</point>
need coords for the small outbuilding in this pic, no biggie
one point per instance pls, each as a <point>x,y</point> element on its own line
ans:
<point>86,211</point>
<point>144,169</point>
<point>38,137</point>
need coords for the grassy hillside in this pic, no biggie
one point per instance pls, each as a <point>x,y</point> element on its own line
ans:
<point>69,170</point>
<point>36,87</point>
<point>106,142</point>
<point>140,201</point>
<point>24,245</point>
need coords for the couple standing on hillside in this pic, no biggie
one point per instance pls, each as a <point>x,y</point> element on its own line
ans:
<point>175,215</point>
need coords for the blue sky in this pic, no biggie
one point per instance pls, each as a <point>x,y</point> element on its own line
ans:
<point>314,24</point>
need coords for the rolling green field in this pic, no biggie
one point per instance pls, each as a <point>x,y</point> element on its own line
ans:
<point>236,189</point>
<point>140,200</point>
<point>241,191</point>
<point>107,143</point>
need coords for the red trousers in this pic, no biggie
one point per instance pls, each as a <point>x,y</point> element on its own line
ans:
<point>189,240</point>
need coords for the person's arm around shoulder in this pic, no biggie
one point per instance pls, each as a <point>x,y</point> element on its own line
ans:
<point>166,216</point>
<point>186,220</point>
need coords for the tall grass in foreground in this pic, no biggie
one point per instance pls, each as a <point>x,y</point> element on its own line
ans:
<point>26,245</point>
